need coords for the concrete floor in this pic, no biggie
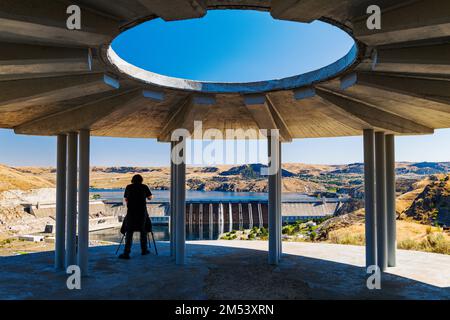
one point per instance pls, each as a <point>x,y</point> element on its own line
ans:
<point>229,270</point>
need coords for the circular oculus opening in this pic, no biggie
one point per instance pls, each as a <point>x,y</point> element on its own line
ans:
<point>229,51</point>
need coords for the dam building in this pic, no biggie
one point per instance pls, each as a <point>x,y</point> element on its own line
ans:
<point>239,214</point>
<point>70,84</point>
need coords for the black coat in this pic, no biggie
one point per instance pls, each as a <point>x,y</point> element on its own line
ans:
<point>147,226</point>
<point>137,218</point>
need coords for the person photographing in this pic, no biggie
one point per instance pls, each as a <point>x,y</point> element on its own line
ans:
<point>137,219</point>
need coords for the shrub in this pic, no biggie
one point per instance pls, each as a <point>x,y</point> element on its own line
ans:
<point>407,244</point>
<point>434,242</point>
<point>438,243</point>
<point>347,238</point>
<point>264,232</point>
<point>289,229</point>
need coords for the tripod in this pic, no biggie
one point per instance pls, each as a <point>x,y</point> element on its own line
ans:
<point>149,242</point>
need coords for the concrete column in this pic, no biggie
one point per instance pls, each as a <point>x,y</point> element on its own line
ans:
<point>180,189</point>
<point>369,193</point>
<point>71,200</point>
<point>60,232</point>
<point>274,200</point>
<point>390,201</point>
<point>172,202</point>
<point>380,161</point>
<point>230,216</point>
<point>279,190</point>
<point>83,201</point>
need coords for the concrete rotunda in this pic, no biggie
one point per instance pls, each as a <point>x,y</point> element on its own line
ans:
<point>69,83</point>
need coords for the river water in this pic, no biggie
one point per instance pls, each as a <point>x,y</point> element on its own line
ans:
<point>163,195</point>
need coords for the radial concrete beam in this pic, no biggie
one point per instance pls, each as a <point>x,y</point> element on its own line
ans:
<point>85,116</point>
<point>175,118</point>
<point>258,108</point>
<point>37,21</point>
<point>434,88</point>
<point>346,118</point>
<point>184,115</point>
<point>19,94</point>
<point>423,111</point>
<point>303,10</point>
<point>282,126</point>
<point>416,58</point>
<point>376,117</point>
<point>266,115</point>
<point>18,60</point>
<point>130,103</point>
<point>186,9</point>
<point>121,9</point>
<point>410,21</point>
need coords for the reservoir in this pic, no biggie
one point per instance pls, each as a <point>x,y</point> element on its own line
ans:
<point>164,195</point>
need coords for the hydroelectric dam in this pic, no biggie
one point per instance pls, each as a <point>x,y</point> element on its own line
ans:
<point>215,216</point>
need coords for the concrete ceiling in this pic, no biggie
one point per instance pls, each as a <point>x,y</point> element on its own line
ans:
<point>54,80</point>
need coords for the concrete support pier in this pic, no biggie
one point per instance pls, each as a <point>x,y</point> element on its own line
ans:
<point>279,216</point>
<point>369,193</point>
<point>275,247</point>
<point>180,189</point>
<point>71,204</point>
<point>172,202</point>
<point>380,159</point>
<point>83,199</point>
<point>390,201</point>
<point>60,225</point>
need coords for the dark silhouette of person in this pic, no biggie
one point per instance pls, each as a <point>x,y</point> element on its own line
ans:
<point>137,219</point>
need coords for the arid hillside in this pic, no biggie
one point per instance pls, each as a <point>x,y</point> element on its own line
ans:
<point>297,177</point>
<point>25,178</point>
<point>427,203</point>
<point>220,178</point>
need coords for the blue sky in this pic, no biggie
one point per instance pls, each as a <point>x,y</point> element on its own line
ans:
<point>234,46</point>
<point>226,46</point>
<point>17,150</point>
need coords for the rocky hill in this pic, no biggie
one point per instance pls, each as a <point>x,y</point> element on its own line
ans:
<point>428,202</point>
<point>423,168</point>
<point>432,204</point>
<point>253,171</point>
<point>401,168</point>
